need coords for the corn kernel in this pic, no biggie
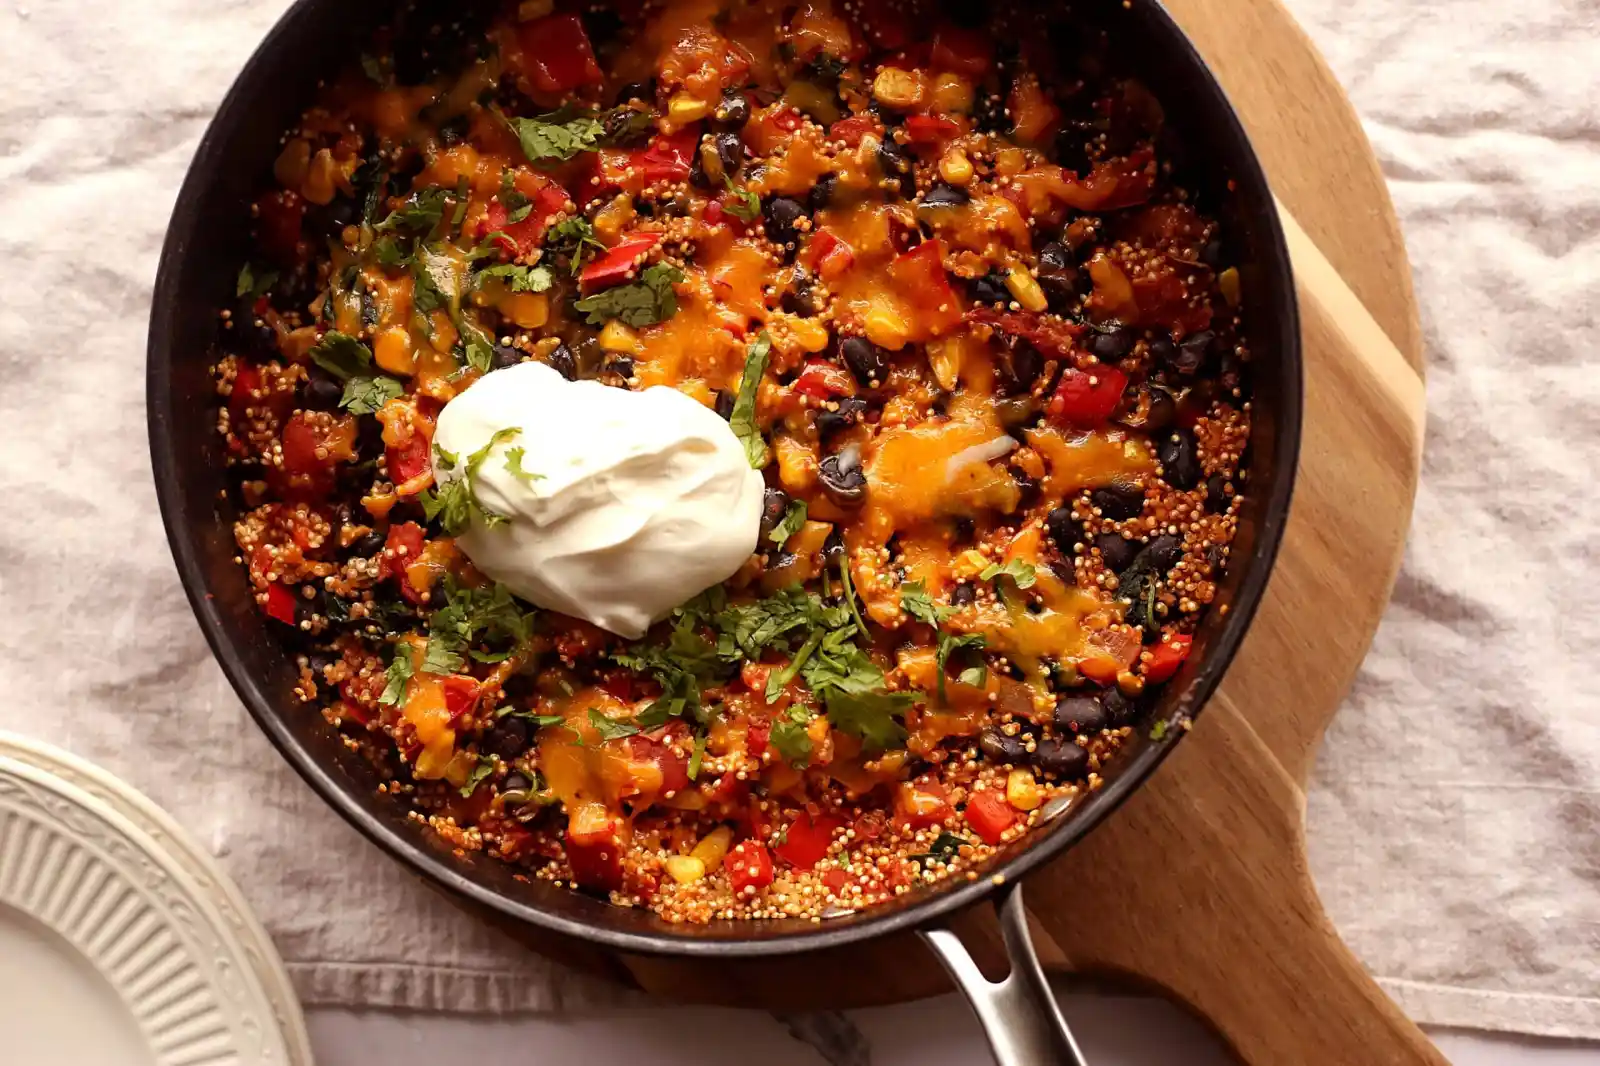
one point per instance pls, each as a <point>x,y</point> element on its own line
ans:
<point>955,167</point>
<point>318,187</point>
<point>886,329</point>
<point>617,337</point>
<point>529,310</point>
<point>1026,290</point>
<point>529,10</point>
<point>1228,283</point>
<point>712,847</point>
<point>810,335</point>
<point>392,350</point>
<point>952,94</point>
<point>1022,791</point>
<point>685,869</point>
<point>899,89</point>
<point>683,109</point>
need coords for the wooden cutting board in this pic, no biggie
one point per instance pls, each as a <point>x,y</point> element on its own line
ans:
<point>1198,886</point>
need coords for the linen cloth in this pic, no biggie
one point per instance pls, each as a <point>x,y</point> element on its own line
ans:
<point>1455,817</point>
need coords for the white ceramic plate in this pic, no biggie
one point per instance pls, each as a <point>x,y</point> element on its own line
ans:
<point>121,942</point>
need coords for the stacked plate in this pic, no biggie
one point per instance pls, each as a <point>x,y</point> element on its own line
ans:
<point>121,942</point>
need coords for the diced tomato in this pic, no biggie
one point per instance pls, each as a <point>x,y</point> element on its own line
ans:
<point>310,451</point>
<point>594,848</point>
<point>620,684</point>
<point>728,790</point>
<point>920,277</point>
<point>806,842</point>
<point>869,827</point>
<point>749,867</point>
<point>921,806</point>
<point>674,766</point>
<point>931,129</point>
<point>666,159</point>
<point>1051,336</point>
<point>279,215</point>
<point>757,737</point>
<point>821,380</point>
<point>392,561</point>
<point>1115,183</point>
<point>827,254</point>
<point>619,263</point>
<point>280,603</point>
<point>834,880</point>
<point>1085,399</point>
<point>989,815</point>
<point>1166,657</point>
<point>961,51</point>
<point>460,695</point>
<point>409,460</point>
<point>851,130</point>
<point>788,119</point>
<point>248,392</point>
<point>556,54</point>
<point>521,237</point>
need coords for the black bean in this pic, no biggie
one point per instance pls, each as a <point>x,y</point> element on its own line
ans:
<point>368,545</point>
<point>504,356</point>
<point>1112,345</point>
<point>846,487</point>
<point>1060,288</point>
<point>1163,412</point>
<point>508,739</point>
<point>963,595</point>
<point>1027,487</point>
<point>1116,551</point>
<point>331,219</point>
<point>317,663</point>
<point>1180,460</point>
<point>732,111</point>
<point>865,360</point>
<point>821,194</point>
<point>251,334</point>
<point>783,561</point>
<point>896,165</point>
<point>773,503</point>
<point>964,529</point>
<point>781,213</point>
<point>1061,757</point>
<point>1065,530</point>
<point>1080,714</point>
<point>620,365</point>
<point>1055,255</point>
<point>989,289</point>
<point>725,402</point>
<point>1192,352</point>
<point>643,91</point>
<point>1163,552</point>
<point>1118,502</point>
<point>516,782</point>
<point>833,548</point>
<point>562,362</point>
<point>1211,254</point>
<point>997,747</point>
<point>800,297</point>
<point>943,194</point>
<point>1021,368</point>
<point>369,438</point>
<point>1219,494</point>
<point>1118,707</point>
<point>730,153</point>
<point>850,410</point>
<point>321,392</point>
<point>454,130</point>
<point>990,114</point>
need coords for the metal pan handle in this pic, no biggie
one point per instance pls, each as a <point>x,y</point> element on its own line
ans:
<point>1019,1015</point>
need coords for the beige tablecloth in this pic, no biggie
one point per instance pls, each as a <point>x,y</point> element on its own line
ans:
<point>1455,812</point>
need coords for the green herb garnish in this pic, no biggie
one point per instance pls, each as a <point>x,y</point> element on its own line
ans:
<point>558,135</point>
<point>916,602</point>
<point>743,419</point>
<point>486,766</point>
<point>454,502</point>
<point>341,355</point>
<point>514,466</point>
<point>794,516</point>
<point>610,728</point>
<point>421,211</point>
<point>574,238</point>
<point>252,284</point>
<point>1016,569</point>
<point>364,395</point>
<point>399,673</point>
<point>645,302</point>
<point>742,203</point>
<point>519,278</point>
<point>790,739</point>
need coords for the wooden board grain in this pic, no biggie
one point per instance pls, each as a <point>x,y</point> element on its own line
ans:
<point>1199,885</point>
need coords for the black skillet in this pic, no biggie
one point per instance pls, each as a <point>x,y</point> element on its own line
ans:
<point>208,239</point>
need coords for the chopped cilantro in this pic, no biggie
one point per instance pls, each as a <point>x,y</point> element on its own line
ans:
<point>645,302</point>
<point>574,238</point>
<point>519,278</point>
<point>945,846</point>
<point>431,278</point>
<point>538,721</point>
<point>514,466</point>
<point>794,516</point>
<point>485,767</point>
<point>440,659</point>
<point>341,355</point>
<point>364,395</point>
<point>849,594</point>
<point>422,211</point>
<point>742,203</point>
<point>916,602</point>
<point>610,728</point>
<point>478,616</point>
<point>398,673</point>
<point>625,124</point>
<point>790,739</point>
<point>778,680</point>
<point>252,284</point>
<point>391,252</point>
<point>557,136</point>
<point>743,419</point>
<point>462,195</point>
<point>454,502</point>
<point>476,346</point>
<point>681,668</point>
<point>697,756</point>
<point>873,716</point>
<point>1016,569</point>
<point>372,67</point>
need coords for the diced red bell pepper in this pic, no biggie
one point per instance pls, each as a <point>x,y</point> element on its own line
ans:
<point>728,790</point>
<point>961,51</point>
<point>279,215</point>
<point>1051,336</point>
<point>248,392</point>
<point>821,380</point>
<point>300,441</point>
<point>806,842</point>
<point>519,238</point>
<point>869,827</point>
<point>989,815</point>
<point>409,460</point>
<point>674,767</point>
<point>310,452</point>
<point>393,561</point>
<point>1085,399</point>
<point>460,695</point>
<point>931,129</point>
<point>827,255</point>
<point>834,880</point>
<point>280,603</point>
<point>788,119</point>
<point>757,737</point>
<point>556,54</point>
<point>921,806</point>
<point>594,848</point>
<point>619,263</point>
<point>749,867</point>
<point>666,159</point>
<point>851,130</point>
<point>619,684</point>
<point>1115,183</point>
<point>1166,657</point>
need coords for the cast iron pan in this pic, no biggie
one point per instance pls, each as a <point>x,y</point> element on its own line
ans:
<point>208,239</point>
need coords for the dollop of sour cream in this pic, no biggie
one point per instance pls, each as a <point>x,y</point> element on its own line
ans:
<point>629,503</point>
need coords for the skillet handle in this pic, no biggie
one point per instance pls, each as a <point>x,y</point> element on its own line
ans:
<point>1019,1014</point>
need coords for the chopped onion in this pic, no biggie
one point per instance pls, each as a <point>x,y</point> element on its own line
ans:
<point>987,452</point>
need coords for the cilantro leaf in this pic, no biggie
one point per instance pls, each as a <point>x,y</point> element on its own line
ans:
<point>391,253</point>
<point>697,756</point>
<point>372,67</point>
<point>790,739</point>
<point>538,721</point>
<point>252,284</point>
<point>874,717</point>
<point>519,278</point>
<point>610,728</point>
<point>1016,569</point>
<point>850,593</point>
<point>976,676</point>
<point>743,419</point>
<point>794,516</point>
<point>477,347</point>
<point>742,203</point>
<point>514,466</point>
<point>485,767</point>
<point>574,238</point>
<point>399,673</point>
<point>625,124</point>
<point>915,601</point>
<point>454,502</point>
<point>440,659</point>
<point>645,302</point>
<point>478,616</point>
<point>945,846</point>
<point>427,294</point>
<point>422,211</point>
<point>364,395</point>
<point>557,136</point>
<point>681,668</point>
<point>341,355</point>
